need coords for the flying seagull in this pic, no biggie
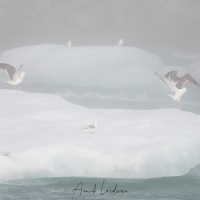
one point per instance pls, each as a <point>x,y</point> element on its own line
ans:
<point>90,128</point>
<point>121,42</point>
<point>15,77</point>
<point>175,84</point>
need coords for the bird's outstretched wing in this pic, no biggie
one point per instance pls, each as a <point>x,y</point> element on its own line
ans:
<point>18,72</point>
<point>20,68</point>
<point>10,70</point>
<point>170,84</point>
<point>172,75</point>
<point>187,78</point>
<point>91,126</point>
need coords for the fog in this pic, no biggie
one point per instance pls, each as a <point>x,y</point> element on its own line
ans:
<point>157,26</point>
<point>158,36</point>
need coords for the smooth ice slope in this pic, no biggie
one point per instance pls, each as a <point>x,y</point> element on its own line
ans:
<point>40,135</point>
<point>103,66</point>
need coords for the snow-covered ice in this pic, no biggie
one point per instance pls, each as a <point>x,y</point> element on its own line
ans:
<point>43,136</point>
<point>100,66</point>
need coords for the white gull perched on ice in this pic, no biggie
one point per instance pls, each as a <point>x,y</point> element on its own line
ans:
<point>69,44</point>
<point>15,77</point>
<point>121,42</point>
<point>90,128</point>
<point>175,84</point>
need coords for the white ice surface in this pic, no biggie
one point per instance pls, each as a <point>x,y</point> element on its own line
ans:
<point>103,66</point>
<point>43,137</point>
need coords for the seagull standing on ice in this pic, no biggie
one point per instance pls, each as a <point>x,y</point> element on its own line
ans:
<point>120,43</point>
<point>15,77</point>
<point>175,84</point>
<point>90,128</point>
<point>69,44</point>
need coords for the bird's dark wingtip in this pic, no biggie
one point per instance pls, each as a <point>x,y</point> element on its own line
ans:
<point>155,73</point>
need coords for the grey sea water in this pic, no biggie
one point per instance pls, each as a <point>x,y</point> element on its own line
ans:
<point>65,188</point>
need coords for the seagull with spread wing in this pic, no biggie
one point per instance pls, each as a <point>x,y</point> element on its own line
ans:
<point>15,76</point>
<point>175,84</point>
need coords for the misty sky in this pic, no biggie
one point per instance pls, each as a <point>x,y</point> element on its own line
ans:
<point>153,25</point>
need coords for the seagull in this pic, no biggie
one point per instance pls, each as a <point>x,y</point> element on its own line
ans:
<point>120,43</point>
<point>90,128</point>
<point>5,153</point>
<point>15,77</point>
<point>69,44</point>
<point>175,84</point>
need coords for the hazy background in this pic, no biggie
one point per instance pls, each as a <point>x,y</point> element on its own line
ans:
<point>164,34</point>
<point>168,28</point>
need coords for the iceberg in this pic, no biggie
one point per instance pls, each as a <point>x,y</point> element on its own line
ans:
<point>41,136</point>
<point>108,66</point>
